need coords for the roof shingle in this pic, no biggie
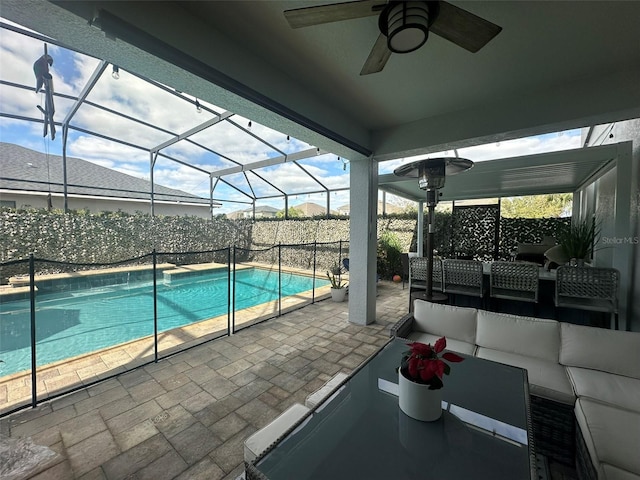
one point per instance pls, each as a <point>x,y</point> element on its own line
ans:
<point>25,169</point>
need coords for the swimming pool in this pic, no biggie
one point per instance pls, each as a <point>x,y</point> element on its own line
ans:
<point>78,322</point>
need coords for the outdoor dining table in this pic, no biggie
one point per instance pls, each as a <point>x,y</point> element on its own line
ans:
<point>360,432</point>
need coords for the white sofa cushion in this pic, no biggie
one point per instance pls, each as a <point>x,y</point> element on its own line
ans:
<point>616,390</point>
<point>599,349</point>
<point>445,321</point>
<point>612,436</point>
<point>546,379</point>
<point>260,440</point>
<point>319,395</point>
<point>452,344</point>
<point>533,337</point>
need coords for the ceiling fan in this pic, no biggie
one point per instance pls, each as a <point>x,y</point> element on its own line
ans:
<point>404,25</point>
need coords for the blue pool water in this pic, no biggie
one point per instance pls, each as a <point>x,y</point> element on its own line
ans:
<point>79,322</point>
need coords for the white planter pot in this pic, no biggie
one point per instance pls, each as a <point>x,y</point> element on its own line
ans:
<point>418,401</point>
<point>338,294</point>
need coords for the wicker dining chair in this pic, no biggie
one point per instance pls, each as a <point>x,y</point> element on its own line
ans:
<point>514,281</point>
<point>418,275</point>
<point>404,261</point>
<point>588,288</point>
<point>463,277</point>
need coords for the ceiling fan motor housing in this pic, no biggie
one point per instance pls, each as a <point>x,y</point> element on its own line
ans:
<point>406,24</point>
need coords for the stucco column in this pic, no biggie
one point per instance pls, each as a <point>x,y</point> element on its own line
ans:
<point>363,241</point>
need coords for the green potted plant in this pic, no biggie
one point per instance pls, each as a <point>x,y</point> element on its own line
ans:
<point>578,240</point>
<point>338,290</point>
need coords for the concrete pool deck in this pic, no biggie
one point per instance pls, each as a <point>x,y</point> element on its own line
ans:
<point>187,416</point>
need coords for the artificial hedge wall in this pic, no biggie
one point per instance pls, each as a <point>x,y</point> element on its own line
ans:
<point>82,237</point>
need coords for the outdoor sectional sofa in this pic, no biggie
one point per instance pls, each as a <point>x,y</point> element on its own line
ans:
<point>578,376</point>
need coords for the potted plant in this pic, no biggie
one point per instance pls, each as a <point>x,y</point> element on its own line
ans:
<point>578,240</point>
<point>338,290</point>
<point>420,379</point>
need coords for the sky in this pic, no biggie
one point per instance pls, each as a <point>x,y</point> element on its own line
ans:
<point>232,140</point>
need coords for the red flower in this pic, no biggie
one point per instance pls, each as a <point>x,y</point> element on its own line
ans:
<point>452,357</point>
<point>422,363</point>
<point>420,349</point>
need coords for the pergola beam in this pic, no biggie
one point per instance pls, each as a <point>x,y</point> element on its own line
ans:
<point>268,182</point>
<point>193,131</point>
<point>310,152</point>
<point>95,76</point>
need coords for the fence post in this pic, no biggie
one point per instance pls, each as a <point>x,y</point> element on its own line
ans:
<point>229,290</point>
<point>32,306</point>
<point>496,239</point>
<point>279,278</point>
<point>233,297</point>
<point>155,307</point>
<point>313,288</point>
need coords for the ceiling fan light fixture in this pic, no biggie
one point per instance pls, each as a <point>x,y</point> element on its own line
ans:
<point>406,25</point>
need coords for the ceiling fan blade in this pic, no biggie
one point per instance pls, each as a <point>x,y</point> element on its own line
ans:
<point>317,15</point>
<point>463,28</point>
<point>378,57</point>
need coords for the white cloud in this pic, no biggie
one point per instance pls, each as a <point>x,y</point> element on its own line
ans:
<point>522,146</point>
<point>491,151</point>
<point>105,152</point>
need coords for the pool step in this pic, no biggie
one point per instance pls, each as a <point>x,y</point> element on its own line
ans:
<point>9,293</point>
<point>186,271</point>
<point>70,281</point>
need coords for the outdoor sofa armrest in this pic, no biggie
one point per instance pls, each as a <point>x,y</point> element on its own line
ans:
<point>403,327</point>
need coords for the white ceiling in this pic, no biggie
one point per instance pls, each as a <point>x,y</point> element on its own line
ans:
<point>555,172</point>
<point>555,65</point>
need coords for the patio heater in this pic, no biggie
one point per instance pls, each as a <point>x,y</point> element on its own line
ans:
<point>431,174</point>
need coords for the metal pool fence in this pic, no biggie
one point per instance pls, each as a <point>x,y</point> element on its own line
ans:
<point>156,306</point>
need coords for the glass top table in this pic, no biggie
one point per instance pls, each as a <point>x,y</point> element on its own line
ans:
<point>360,432</point>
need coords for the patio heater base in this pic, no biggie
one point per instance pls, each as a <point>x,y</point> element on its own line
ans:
<point>435,297</point>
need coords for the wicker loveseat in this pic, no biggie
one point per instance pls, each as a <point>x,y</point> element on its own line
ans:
<point>579,376</point>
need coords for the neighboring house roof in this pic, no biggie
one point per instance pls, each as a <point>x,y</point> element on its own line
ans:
<point>262,210</point>
<point>310,209</point>
<point>27,170</point>
<point>389,209</point>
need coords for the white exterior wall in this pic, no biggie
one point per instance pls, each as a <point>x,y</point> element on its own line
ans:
<point>106,205</point>
<point>615,198</point>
